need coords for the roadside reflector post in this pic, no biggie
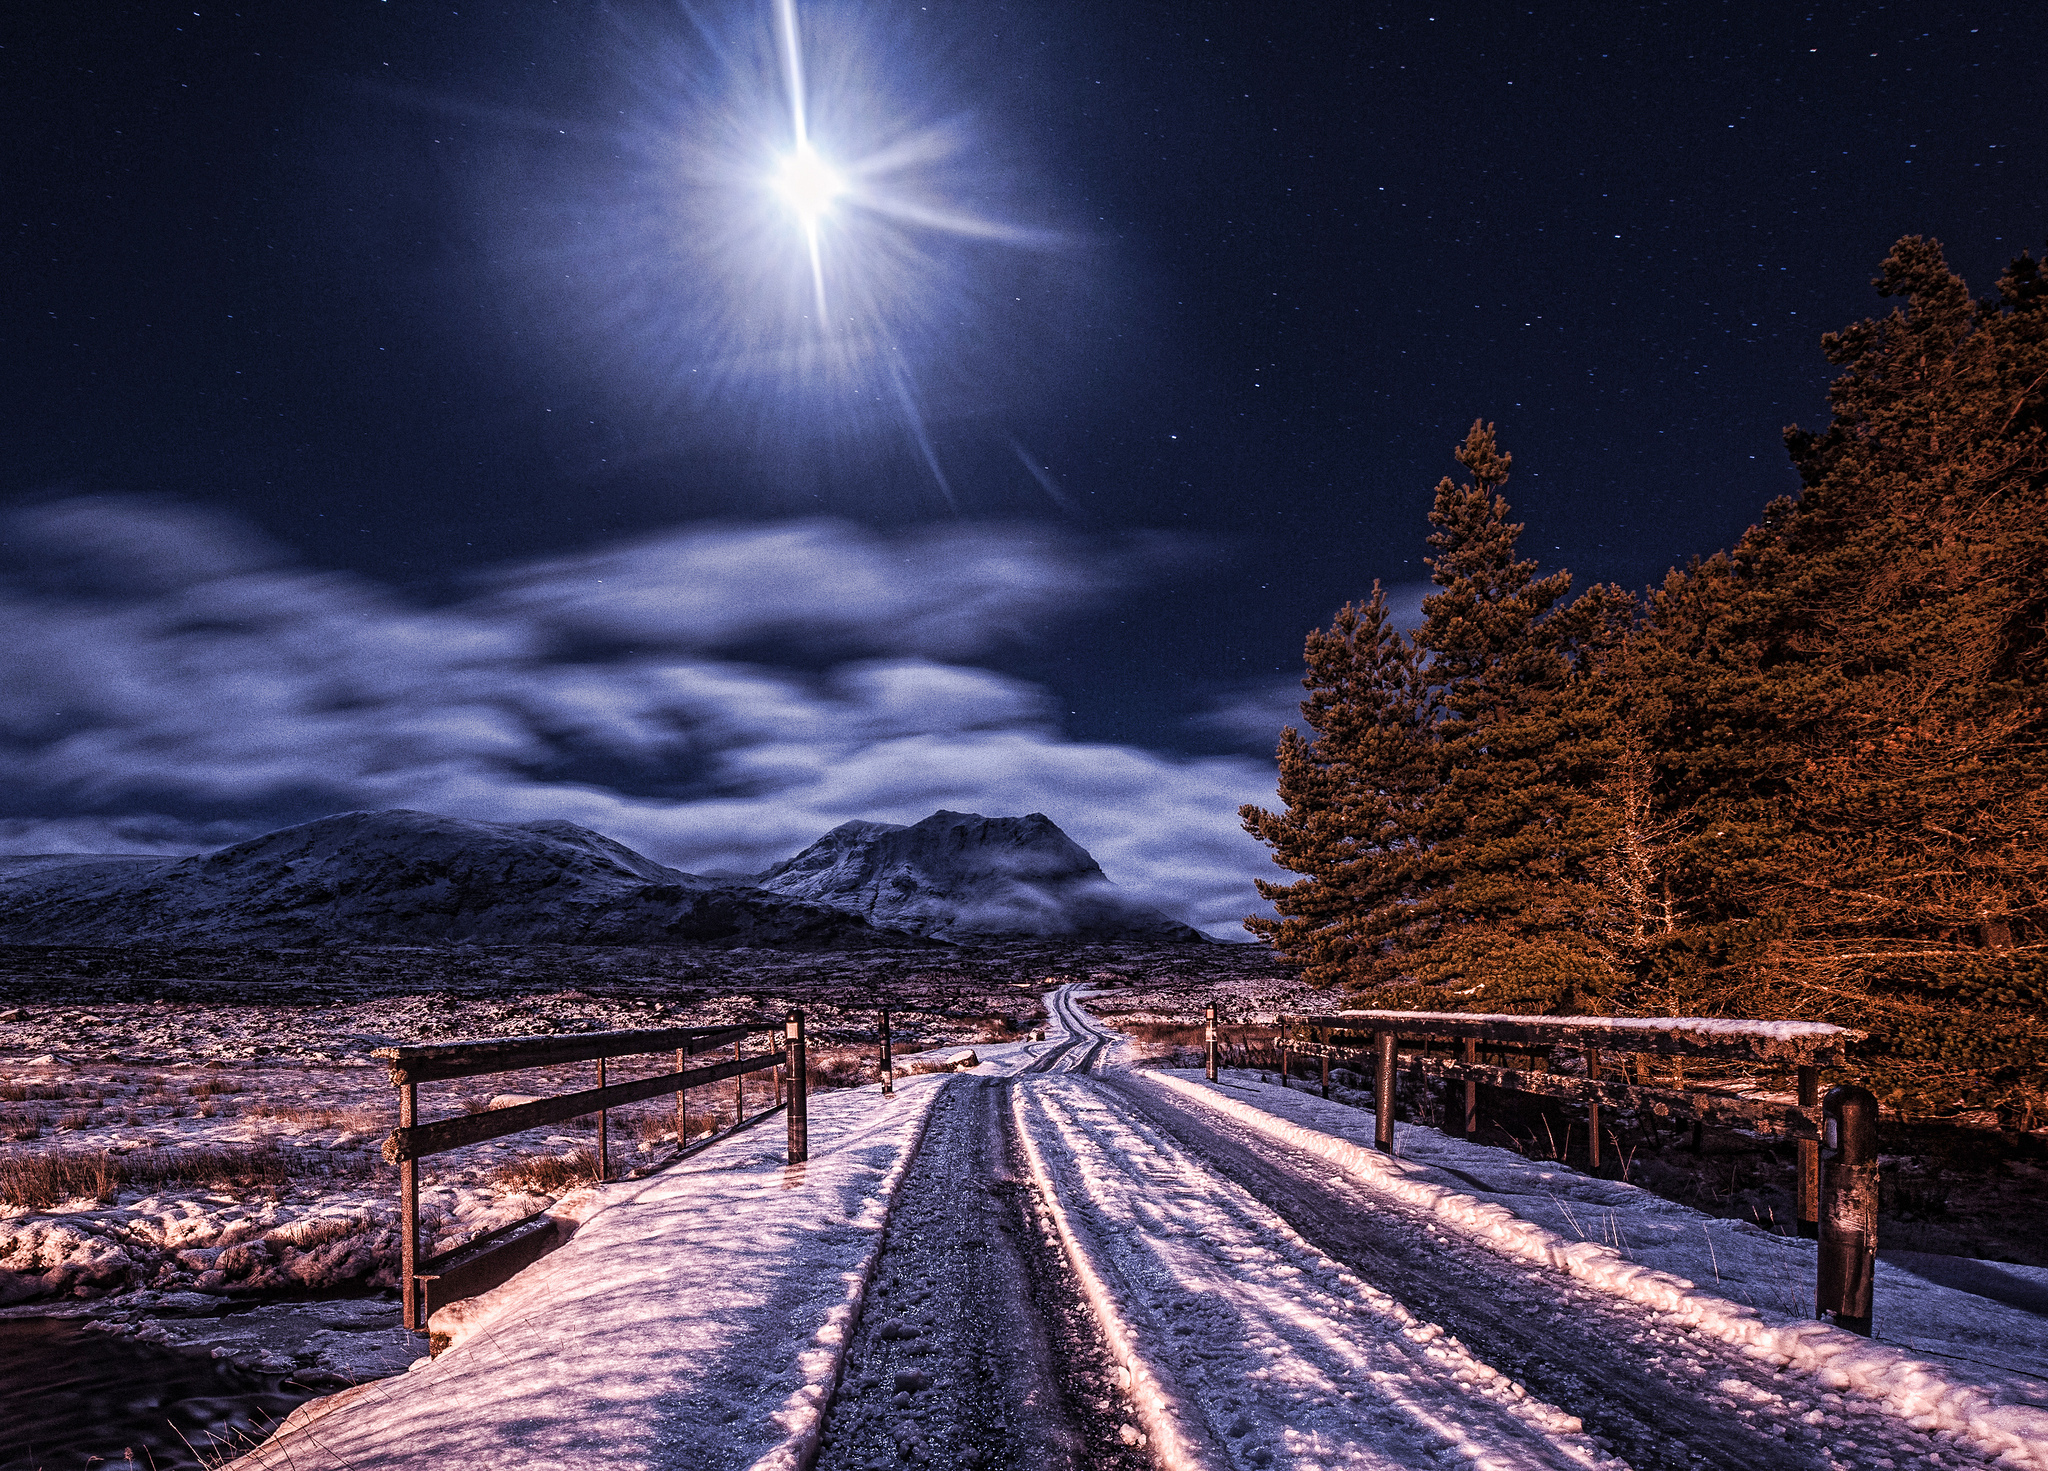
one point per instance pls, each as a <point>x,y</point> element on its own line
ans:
<point>1326,1075</point>
<point>739,1088</point>
<point>799,1132</point>
<point>409,1214</point>
<point>888,1061</point>
<point>1208,1036</point>
<point>1809,1160</point>
<point>1471,1089</point>
<point>1383,1091</point>
<point>1282,1040</point>
<point>1848,1209</point>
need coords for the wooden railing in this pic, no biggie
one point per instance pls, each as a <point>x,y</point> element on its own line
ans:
<point>1624,1042</point>
<point>1617,1075</point>
<point>484,1262</point>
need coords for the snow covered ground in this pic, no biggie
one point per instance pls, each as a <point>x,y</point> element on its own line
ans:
<point>1983,1338</point>
<point>695,1318</point>
<point>698,1318</point>
<point>1969,1370</point>
<point>1245,1345</point>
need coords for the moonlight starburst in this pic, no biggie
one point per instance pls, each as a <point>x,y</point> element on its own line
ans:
<point>806,235</point>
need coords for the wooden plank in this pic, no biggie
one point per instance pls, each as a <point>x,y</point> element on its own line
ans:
<point>444,1134</point>
<point>434,1266</point>
<point>439,1061</point>
<point>489,1261</point>
<point>1805,1043</point>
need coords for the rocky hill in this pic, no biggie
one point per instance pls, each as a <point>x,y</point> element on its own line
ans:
<point>404,877</point>
<point>961,876</point>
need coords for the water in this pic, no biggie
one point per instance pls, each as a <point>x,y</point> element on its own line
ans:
<point>71,1399</point>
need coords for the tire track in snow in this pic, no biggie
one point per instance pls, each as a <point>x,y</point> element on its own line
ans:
<point>1663,1392</point>
<point>974,1349</point>
<point>1263,1351</point>
<point>1666,1397</point>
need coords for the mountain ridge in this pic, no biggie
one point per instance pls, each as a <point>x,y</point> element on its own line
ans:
<point>406,877</point>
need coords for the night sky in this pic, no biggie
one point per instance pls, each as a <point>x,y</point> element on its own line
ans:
<point>427,405</point>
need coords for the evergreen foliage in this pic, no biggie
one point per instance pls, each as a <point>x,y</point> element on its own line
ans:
<point>1809,778</point>
<point>1354,792</point>
<point>1442,813</point>
<point>1848,710</point>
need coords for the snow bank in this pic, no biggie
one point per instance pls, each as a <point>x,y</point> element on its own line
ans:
<point>1926,1396</point>
<point>201,1243</point>
<point>696,1318</point>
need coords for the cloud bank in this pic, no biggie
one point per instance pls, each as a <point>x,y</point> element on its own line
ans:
<point>177,682</point>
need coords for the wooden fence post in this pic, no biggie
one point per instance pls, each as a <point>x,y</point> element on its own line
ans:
<point>1848,1230</point>
<point>409,1215</point>
<point>683,1101</point>
<point>1809,1160</point>
<point>799,1089</point>
<point>1209,1036</point>
<point>1383,1091</point>
<point>604,1140</point>
<point>888,1059</point>
<point>1593,1108</point>
<point>1471,1089</point>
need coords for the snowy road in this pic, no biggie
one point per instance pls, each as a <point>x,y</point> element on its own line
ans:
<point>1057,1261</point>
<point>974,1348</point>
<point>1299,1317</point>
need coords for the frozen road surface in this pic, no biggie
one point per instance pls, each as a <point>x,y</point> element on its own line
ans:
<point>1056,1261</point>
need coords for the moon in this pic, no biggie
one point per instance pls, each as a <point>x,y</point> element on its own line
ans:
<point>808,184</point>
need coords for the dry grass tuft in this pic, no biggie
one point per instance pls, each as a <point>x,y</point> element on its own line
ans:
<point>549,1174</point>
<point>359,1119</point>
<point>42,1180</point>
<point>28,1123</point>
<point>38,1181</point>
<point>306,1235</point>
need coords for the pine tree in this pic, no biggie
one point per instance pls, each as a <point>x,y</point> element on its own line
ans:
<point>1353,792</point>
<point>1507,892</point>
<point>1446,813</point>
<point>1849,716</point>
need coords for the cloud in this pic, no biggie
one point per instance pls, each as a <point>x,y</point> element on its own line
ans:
<point>1254,713</point>
<point>943,592</point>
<point>178,682</point>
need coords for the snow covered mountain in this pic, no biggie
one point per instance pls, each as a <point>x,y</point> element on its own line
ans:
<point>958,876</point>
<point>404,877</point>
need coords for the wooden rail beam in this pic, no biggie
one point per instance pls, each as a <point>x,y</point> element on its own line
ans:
<point>1799,1043</point>
<point>421,1140</point>
<point>438,1061</point>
